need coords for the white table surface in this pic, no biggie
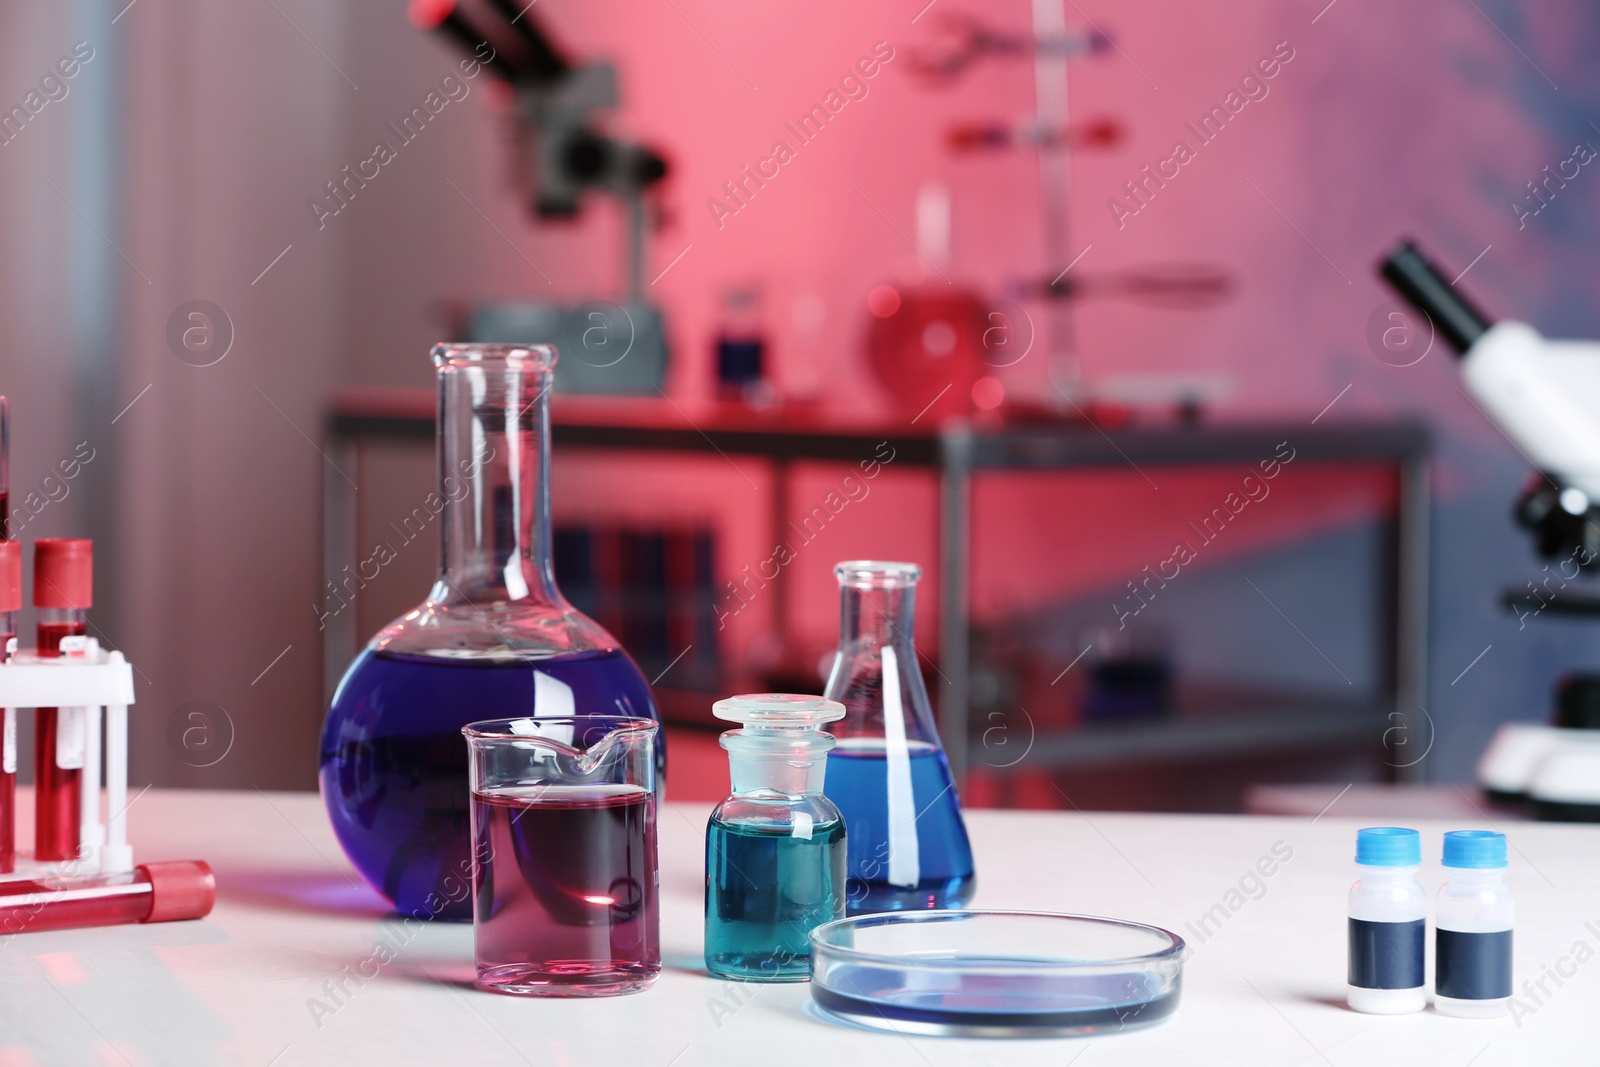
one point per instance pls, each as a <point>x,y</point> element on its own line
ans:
<point>1266,987</point>
<point>1380,802</point>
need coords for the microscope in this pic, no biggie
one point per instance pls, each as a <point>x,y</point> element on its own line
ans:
<point>1544,396</point>
<point>562,153</point>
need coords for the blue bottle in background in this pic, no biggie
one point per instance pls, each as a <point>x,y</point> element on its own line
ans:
<point>908,845</point>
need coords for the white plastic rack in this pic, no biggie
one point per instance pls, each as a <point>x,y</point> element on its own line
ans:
<point>93,689</point>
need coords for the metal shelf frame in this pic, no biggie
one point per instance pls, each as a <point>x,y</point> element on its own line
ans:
<point>966,455</point>
<point>958,455</point>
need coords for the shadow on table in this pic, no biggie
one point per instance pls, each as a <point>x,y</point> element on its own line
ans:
<point>1323,1000</point>
<point>685,963</point>
<point>302,892</point>
<point>444,971</point>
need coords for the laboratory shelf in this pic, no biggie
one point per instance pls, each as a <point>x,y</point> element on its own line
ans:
<point>1182,740</point>
<point>958,454</point>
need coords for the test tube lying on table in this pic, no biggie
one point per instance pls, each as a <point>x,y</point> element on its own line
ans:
<point>150,893</point>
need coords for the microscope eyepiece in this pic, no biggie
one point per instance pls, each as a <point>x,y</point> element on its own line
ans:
<point>1421,285</point>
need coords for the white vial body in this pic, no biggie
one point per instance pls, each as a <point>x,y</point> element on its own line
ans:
<point>1474,901</point>
<point>1388,895</point>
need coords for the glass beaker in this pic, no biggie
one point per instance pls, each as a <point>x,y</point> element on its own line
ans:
<point>494,638</point>
<point>908,847</point>
<point>564,854</point>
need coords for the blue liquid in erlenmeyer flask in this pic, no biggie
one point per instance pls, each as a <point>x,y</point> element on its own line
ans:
<point>881,874</point>
<point>394,764</point>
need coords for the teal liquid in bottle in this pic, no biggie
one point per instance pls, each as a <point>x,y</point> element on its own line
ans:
<point>757,929</point>
<point>775,848</point>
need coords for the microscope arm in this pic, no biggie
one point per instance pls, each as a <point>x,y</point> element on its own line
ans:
<point>541,62</point>
<point>1543,395</point>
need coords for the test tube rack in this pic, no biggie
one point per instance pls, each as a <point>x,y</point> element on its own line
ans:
<point>93,689</point>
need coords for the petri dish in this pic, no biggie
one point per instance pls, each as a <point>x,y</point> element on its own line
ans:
<point>995,973</point>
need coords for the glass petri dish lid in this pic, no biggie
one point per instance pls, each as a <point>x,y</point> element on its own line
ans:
<point>995,973</point>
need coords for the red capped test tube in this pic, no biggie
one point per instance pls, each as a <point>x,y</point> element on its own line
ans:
<point>10,604</point>
<point>5,468</point>
<point>152,893</point>
<point>63,590</point>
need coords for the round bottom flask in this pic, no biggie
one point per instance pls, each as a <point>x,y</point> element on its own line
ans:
<point>494,640</point>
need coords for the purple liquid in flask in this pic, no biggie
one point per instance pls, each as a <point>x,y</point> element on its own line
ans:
<point>494,639</point>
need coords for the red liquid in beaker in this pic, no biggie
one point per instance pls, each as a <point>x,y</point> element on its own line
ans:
<point>565,898</point>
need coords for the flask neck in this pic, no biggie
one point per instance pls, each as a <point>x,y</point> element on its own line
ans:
<point>871,617</point>
<point>789,762</point>
<point>494,485</point>
<point>875,672</point>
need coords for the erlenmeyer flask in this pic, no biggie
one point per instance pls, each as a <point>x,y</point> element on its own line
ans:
<point>908,847</point>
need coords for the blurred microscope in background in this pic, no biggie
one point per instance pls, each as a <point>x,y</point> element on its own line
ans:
<point>1542,394</point>
<point>562,154</point>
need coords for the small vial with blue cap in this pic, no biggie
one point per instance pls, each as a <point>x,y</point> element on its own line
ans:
<point>775,849</point>
<point>1473,916</point>
<point>1388,920</point>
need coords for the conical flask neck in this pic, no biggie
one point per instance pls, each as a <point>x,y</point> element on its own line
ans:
<point>874,617</point>
<point>494,481</point>
<point>875,673</point>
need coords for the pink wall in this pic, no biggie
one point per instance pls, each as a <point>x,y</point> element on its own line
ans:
<point>229,119</point>
<point>1386,121</point>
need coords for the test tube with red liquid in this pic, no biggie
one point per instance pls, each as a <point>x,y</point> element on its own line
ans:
<point>5,469</point>
<point>151,893</point>
<point>10,605</point>
<point>63,584</point>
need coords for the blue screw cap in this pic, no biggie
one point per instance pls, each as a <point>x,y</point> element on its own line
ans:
<point>1388,846</point>
<point>1474,849</point>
